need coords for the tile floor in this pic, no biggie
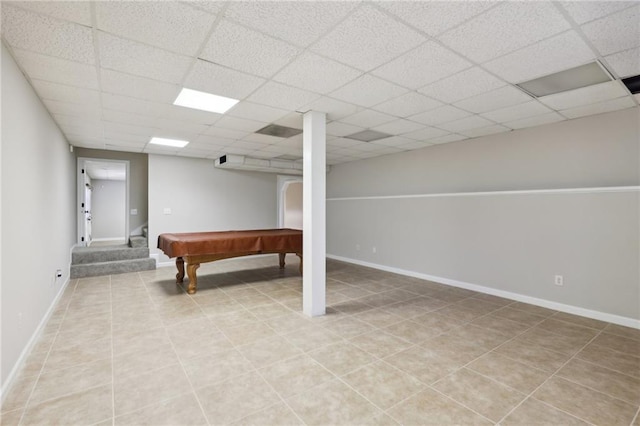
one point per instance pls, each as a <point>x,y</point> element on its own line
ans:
<point>136,349</point>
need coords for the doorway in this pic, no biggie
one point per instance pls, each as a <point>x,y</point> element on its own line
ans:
<point>103,202</point>
<point>290,202</point>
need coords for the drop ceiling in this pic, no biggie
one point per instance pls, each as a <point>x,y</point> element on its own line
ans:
<point>425,72</point>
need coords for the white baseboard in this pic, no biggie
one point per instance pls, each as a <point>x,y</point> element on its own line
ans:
<point>6,385</point>
<point>602,316</point>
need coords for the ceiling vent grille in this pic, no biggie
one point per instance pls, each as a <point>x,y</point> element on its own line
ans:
<point>368,136</point>
<point>279,131</point>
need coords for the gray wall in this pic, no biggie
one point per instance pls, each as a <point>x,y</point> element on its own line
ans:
<point>203,198</point>
<point>509,242</point>
<point>108,209</point>
<point>138,184</point>
<point>38,215</point>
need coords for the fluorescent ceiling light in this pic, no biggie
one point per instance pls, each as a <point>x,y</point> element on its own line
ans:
<point>574,78</point>
<point>204,101</point>
<point>169,142</point>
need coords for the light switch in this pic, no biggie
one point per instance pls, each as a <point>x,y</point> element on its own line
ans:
<point>134,212</point>
<point>167,210</point>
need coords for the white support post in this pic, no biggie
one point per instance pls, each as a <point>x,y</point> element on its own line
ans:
<point>314,214</point>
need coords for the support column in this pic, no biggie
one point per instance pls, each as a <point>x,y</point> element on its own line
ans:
<point>314,214</point>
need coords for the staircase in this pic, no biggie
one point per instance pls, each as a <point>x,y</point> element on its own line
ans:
<point>109,260</point>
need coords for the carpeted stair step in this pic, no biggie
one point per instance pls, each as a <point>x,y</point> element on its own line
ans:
<point>138,241</point>
<point>86,255</point>
<point>112,267</point>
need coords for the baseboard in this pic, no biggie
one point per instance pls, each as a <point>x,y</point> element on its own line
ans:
<point>6,386</point>
<point>602,316</point>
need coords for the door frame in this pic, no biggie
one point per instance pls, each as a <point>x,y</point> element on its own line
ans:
<point>282,183</point>
<point>81,162</point>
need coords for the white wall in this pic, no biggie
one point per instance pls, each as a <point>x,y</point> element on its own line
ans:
<point>108,209</point>
<point>293,206</point>
<point>38,214</point>
<point>509,242</point>
<point>203,198</point>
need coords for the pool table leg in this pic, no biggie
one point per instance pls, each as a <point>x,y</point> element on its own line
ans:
<point>193,278</point>
<point>281,256</point>
<point>180,266</point>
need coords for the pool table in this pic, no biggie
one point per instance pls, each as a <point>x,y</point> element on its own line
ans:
<point>202,247</point>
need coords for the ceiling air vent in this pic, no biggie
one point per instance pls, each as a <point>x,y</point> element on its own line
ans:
<point>279,131</point>
<point>368,136</point>
<point>633,84</point>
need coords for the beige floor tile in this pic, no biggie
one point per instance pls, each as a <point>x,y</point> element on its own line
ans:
<point>379,317</point>
<point>279,414</point>
<point>34,363</point>
<point>342,358</point>
<point>87,407</point>
<point>182,410</point>
<point>79,354</point>
<point>135,392</point>
<point>566,328</point>
<point>509,372</point>
<point>501,301</point>
<point>379,420</point>
<point>11,418</point>
<point>533,355</point>
<point>147,340</point>
<point>143,361</point>
<point>350,307</point>
<point>210,345</point>
<point>460,313</point>
<point>578,320</point>
<point>602,379</point>
<point>268,311</point>
<point>287,323</point>
<point>332,403</point>
<point>383,384</point>
<point>431,408</point>
<point>585,403</point>
<point>535,413</point>
<point>413,332</point>
<point>619,330</point>
<point>269,350</point>
<point>409,308</point>
<point>537,310</point>
<point>479,336</point>
<point>57,383</point>
<point>231,319</point>
<point>312,337</point>
<point>621,362</point>
<point>19,393</point>
<point>348,327</point>
<point>207,370</point>
<point>81,336</point>
<point>380,343</point>
<point>234,399</point>
<point>296,375</point>
<point>454,349</point>
<point>246,334</point>
<point>424,364</point>
<point>618,343</point>
<point>503,326</point>
<point>45,342</point>
<point>437,322</point>
<point>569,345</point>
<point>480,394</point>
<point>524,317</point>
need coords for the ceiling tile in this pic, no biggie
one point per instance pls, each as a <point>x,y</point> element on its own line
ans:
<point>368,147</point>
<point>493,100</point>
<point>130,129</point>
<point>73,11</point>
<point>386,150</point>
<point>585,11</point>
<point>368,118</point>
<point>300,23</point>
<point>505,28</point>
<point>337,128</point>
<point>136,106</point>
<point>538,120</point>
<point>257,112</point>
<point>465,84</point>
<point>425,134</point>
<point>398,127</point>
<point>485,131</point>
<point>246,50</point>
<point>222,81</point>
<point>342,143</point>
<point>71,120</point>
<point>423,65</point>
<point>446,139</point>
<point>408,104</point>
<point>42,34</point>
<point>190,115</point>
<point>263,140</point>
<point>368,91</point>
<point>57,70</point>
<point>246,144</point>
<point>280,96</point>
<point>413,145</point>
<point>77,110</point>
<point>213,141</point>
<point>137,87</point>
<point>625,64</point>
<point>367,39</point>
<point>334,108</point>
<point>213,7</point>
<point>599,108</point>
<point>616,32</point>
<point>440,115</point>
<point>128,118</point>
<point>165,123</point>
<point>315,73</point>
<point>169,25</point>
<point>240,124</point>
<point>434,17</point>
<point>395,141</point>
<point>64,93</point>
<point>584,96</point>
<point>558,53</point>
<point>527,109</point>
<point>126,138</point>
<point>465,124</point>
<point>225,133</point>
<point>293,119</point>
<point>139,59</point>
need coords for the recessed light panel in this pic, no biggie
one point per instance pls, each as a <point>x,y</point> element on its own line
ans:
<point>169,142</point>
<point>368,136</point>
<point>204,101</point>
<point>574,78</point>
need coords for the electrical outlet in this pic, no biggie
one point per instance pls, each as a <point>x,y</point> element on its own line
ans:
<point>559,280</point>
